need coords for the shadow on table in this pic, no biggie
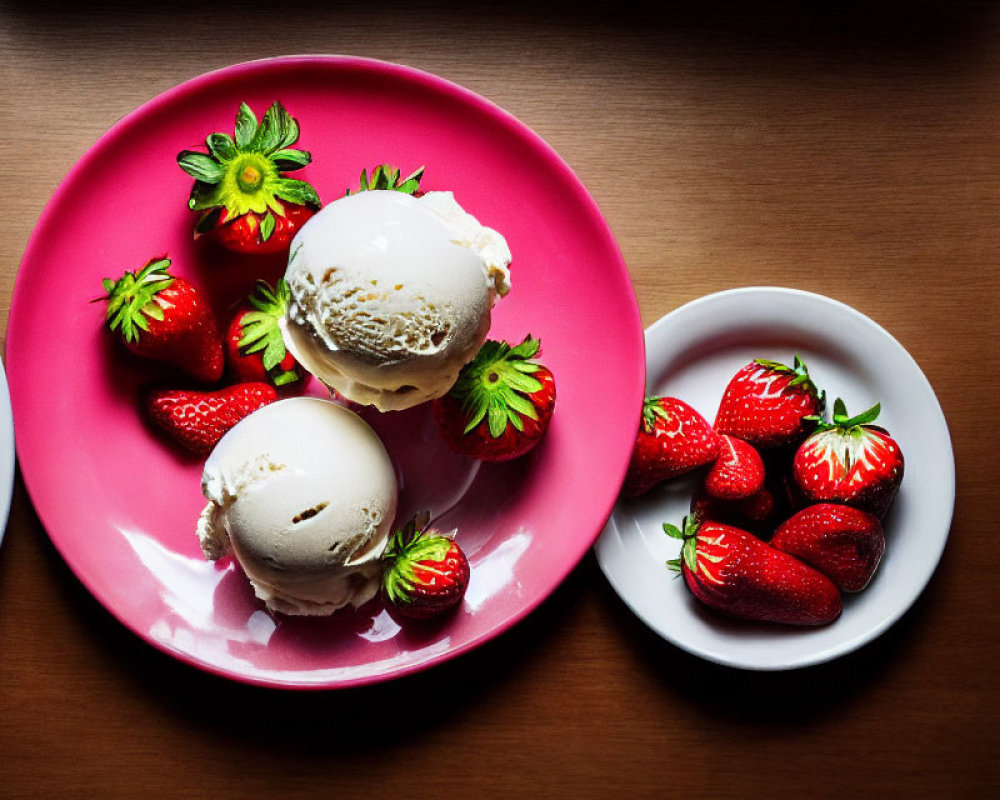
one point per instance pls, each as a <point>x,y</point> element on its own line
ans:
<point>308,722</point>
<point>769,698</point>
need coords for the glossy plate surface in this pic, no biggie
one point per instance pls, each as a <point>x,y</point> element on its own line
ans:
<point>120,505</point>
<point>692,353</point>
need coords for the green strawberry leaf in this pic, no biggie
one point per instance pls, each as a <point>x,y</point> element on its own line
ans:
<point>527,349</point>
<point>672,531</point>
<point>222,146</point>
<point>201,167</point>
<point>246,126</point>
<point>288,159</point>
<point>205,196</point>
<point>386,177</point>
<point>267,226</point>
<point>690,553</point>
<point>295,191</point>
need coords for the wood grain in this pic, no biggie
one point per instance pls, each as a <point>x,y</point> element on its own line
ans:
<point>850,150</point>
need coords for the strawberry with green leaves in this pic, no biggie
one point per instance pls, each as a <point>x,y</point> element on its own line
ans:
<point>770,405</point>
<point>425,573</point>
<point>247,202</point>
<point>255,349</point>
<point>198,419</point>
<point>673,439</point>
<point>165,318</point>
<point>850,461</point>
<point>385,177</point>
<point>736,573</point>
<point>501,404</point>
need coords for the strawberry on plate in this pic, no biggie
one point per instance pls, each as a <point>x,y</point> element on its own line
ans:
<point>770,405</point>
<point>501,404</point>
<point>673,439</point>
<point>247,202</point>
<point>737,472</point>
<point>844,543</point>
<point>733,571</point>
<point>759,513</point>
<point>255,349</point>
<point>198,419</point>
<point>849,461</point>
<point>165,318</point>
<point>387,177</point>
<point>425,573</point>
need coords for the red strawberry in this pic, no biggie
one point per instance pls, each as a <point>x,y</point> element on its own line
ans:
<point>850,461</point>
<point>425,573</point>
<point>673,439</point>
<point>757,513</point>
<point>255,350</point>
<point>844,543</point>
<point>197,419</point>
<point>501,404</point>
<point>386,177</point>
<point>737,472</point>
<point>165,318</point>
<point>770,405</point>
<point>246,202</point>
<point>734,572</point>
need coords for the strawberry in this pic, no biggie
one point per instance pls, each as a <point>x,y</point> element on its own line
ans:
<point>198,419</point>
<point>165,318</point>
<point>501,404</point>
<point>769,404</point>
<point>255,350</point>
<point>734,572</point>
<point>758,513</point>
<point>247,203</point>
<point>386,177</point>
<point>673,439</point>
<point>737,472</point>
<point>849,461</point>
<point>425,573</point>
<point>844,543</point>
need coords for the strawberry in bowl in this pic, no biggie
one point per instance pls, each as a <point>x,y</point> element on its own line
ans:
<point>247,203</point>
<point>770,405</point>
<point>736,573</point>
<point>850,461</point>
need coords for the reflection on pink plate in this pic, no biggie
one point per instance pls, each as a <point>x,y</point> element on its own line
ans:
<point>120,505</point>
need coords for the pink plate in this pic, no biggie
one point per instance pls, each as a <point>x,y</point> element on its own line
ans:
<point>120,504</point>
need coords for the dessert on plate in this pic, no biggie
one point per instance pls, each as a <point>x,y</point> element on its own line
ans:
<point>391,295</point>
<point>303,493</point>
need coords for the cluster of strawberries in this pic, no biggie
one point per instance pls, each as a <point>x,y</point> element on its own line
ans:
<point>498,410</point>
<point>788,506</point>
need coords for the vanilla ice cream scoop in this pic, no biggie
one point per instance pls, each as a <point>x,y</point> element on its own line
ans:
<point>303,492</point>
<point>391,295</point>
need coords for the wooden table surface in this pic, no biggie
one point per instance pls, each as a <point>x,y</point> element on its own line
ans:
<point>853,153</point>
